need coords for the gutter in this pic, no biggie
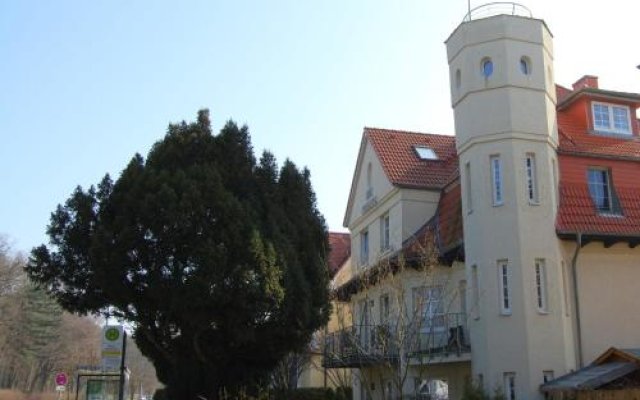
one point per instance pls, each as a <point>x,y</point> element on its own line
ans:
<point>574,276</point>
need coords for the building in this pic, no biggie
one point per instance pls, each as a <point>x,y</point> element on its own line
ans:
<point>311,372</point>
<point>506,255</point>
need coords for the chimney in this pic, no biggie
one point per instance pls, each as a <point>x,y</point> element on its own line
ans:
<point>587,81</point>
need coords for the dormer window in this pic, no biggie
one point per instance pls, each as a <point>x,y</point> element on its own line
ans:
<point>426,153</point>
<point>611,118</point>
<point>600,188</point>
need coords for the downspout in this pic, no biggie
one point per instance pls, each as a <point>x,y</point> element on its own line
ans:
<point>574,276</point>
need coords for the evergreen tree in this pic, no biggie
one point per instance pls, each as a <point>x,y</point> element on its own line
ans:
<point>217,260</point>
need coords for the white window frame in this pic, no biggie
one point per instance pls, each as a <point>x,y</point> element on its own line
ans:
<point>540,270</point>
<point>497,180</point>
<point>504,287</point>
<point>364,247</point>
<point>611,128</point>
<point>385,235</point>
<point>531,178</point>
<point>510,385</point>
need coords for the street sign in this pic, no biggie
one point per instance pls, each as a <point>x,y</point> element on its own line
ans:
<point>112,336</point>
<point>60,388</point>
<point>61,379</point>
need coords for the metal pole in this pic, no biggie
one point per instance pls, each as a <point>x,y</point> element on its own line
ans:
<point>124,353</point>
<point>77,386</point>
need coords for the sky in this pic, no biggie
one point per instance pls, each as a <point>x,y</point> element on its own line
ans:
<point>84,85</point>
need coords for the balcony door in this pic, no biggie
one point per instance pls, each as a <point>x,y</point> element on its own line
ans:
<point>365,328</point>
<point>429,316</point>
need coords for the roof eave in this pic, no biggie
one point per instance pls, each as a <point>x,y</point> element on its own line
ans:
<point>608,239</point>
<point>602,94</point>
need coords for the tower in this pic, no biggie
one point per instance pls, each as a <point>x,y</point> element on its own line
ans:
<point>503,96</point>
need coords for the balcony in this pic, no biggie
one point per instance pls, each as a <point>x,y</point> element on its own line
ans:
<point>441,338</point>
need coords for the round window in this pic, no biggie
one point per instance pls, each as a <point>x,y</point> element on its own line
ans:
<point>487,67</point>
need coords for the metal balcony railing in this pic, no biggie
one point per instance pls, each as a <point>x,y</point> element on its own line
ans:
<point>497,8</point>
<point>429,338</point>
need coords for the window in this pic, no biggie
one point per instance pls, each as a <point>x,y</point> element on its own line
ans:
<point>384,309</point>
<point>487,67</point>
<point>503,284</point>
<point>525,65</point>
<point>364,247</point>
<point>462,290</point>
<point>600,188</point>
<point>475,288</point>
<point>428,305</point>
<point>611,118</point>
<point>369,184</point>
<point>458,79</point>
<point>365,330</point>
<point>426,153</point>
<point>531,178</point>
<point>541,285</point>
<point>510,386</point>
<point>496,180</point>
<point>467,182</point>
<point>385,243</point>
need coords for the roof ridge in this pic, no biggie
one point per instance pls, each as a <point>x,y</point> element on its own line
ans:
<point>403,131</point>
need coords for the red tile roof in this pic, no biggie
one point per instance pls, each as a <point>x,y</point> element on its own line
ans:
<point>574,138</point>
<point>340,244</point>
<point>401,164</point>
<point>577,212</point>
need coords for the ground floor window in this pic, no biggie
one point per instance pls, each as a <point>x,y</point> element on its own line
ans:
<point>510,385</point>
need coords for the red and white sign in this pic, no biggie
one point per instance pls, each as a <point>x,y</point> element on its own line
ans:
<point>61,379</point>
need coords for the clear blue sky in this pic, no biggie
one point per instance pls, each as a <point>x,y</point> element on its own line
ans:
<point>86,84</point>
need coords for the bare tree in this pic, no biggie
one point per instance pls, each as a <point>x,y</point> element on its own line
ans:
<point>286,375</point>
<point>414,322</point>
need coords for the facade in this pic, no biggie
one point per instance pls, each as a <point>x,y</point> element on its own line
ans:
<point>506,255</point>
<point>312,374</point>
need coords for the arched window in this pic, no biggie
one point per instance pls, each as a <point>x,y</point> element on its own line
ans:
<point>487,67</point>
<point>525,65</point>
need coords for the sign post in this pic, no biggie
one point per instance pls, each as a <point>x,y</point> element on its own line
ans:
<point>61,383</point>
<point>112,340</point>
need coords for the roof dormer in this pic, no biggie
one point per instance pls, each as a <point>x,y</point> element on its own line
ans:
<point>601,112</point>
